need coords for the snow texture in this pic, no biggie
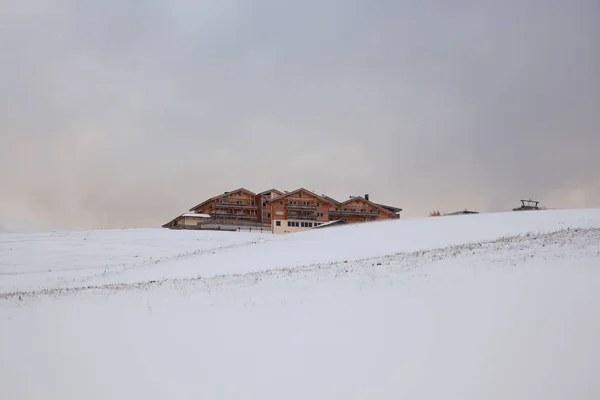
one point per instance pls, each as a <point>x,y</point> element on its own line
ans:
<point>490,306</point>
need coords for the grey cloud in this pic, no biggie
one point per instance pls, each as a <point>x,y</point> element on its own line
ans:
<point>125,114</point>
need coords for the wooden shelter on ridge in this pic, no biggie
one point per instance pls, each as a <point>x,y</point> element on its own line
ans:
<point>527,205</point>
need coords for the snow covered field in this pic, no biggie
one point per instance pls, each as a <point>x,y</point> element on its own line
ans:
<point>490,306</point>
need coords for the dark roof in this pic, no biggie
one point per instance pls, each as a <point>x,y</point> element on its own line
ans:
<point>388,209</point>
<point>299,190</point>
<point>392,209</point>
<point>465,211</point>
<point>270,191</point>
<point>331,199</point>
<point>222,195</point>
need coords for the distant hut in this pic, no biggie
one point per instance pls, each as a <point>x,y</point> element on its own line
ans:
<point>527,205</point>
<point>463,212</point>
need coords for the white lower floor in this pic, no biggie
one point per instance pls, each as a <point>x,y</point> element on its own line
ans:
<point>290,226</point>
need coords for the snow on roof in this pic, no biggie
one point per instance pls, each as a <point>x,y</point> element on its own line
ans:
<point>195,215</point>
<point>337,221</point>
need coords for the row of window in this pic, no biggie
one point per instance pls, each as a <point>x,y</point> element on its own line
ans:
<point>238,202</point>
<point>305,203</point>
<point>297,224</point>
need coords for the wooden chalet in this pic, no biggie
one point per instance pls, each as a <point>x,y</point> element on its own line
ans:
<point>238,205</point>
<point>298,210</point>
<point>281,212</point>
<point>262,200</point>
<point>361,209</point>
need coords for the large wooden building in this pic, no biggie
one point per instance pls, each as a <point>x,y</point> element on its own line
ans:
<point>280,212</point>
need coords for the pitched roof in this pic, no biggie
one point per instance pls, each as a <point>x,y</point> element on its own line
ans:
<point>392,209</point>
<point>331,199</point>
<point>270,191</point>
<point>387,209</point>
<point>222,195</point>
<point>324,199</point>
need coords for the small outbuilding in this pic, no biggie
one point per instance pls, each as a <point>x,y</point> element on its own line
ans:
<point>187,220</point>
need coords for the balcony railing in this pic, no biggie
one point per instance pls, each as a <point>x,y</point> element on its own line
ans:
<point>354,213</point>
<point>234,216</point>
<point>302,217</point>
<point>234,205</point>
<point>299,206</point>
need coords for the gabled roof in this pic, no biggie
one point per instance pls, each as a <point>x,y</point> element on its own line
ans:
<point>387,209</point>
<point>222,195</point>
<point>324,199</point>
<point>332,200</point>
<point>392,209</point>
<point>271,191</point>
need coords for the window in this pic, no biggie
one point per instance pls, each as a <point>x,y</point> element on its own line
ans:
<point>310,224</point>
<point>318,205</point>
<point>269,215</point>
<point>251,203</point>
<point>281,202</point>
<point>278,223</point>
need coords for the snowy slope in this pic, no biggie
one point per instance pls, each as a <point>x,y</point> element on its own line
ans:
<point>487,306</point>
<point>30,261</point>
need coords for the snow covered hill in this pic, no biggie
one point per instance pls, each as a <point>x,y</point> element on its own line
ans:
<point>489,306</point>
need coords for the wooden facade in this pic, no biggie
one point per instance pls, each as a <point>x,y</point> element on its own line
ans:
<point>262,199</point>
<point>298,210</point>
<point>359,209</point>
<point>236,206</point>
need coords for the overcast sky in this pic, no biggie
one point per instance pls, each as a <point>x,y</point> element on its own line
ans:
<point>128,113</point>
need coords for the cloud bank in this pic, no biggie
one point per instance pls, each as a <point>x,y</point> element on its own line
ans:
<point>120,114</point>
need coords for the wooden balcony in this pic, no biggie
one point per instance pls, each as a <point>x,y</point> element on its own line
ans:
<point>356,213</point>
<point>237,206</point>
<point>302,217</point>
<point>247,217</point>
<point>300,206</point>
